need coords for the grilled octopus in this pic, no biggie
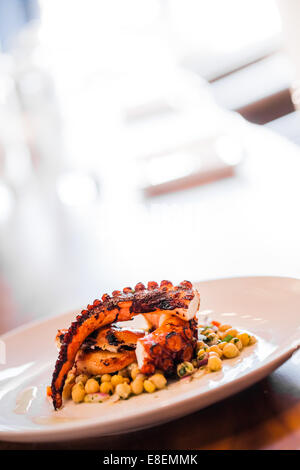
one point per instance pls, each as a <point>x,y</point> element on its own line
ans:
<point>112,338</point>
<point>172,342</point>
<point>105,351</point>
<point>171,310</point>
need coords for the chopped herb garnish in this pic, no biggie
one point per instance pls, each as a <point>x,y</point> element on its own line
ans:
<point>228,338</point>
<point>235,340</point>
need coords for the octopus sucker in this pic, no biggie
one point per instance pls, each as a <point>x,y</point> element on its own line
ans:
<point>170,312</point>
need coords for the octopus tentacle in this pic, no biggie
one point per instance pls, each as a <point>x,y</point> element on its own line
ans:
<point>121,306</point>
<point>85,324</point>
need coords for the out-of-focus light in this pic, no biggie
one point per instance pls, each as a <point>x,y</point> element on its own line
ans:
<point>77,189</point>
<point>18,163</point>
<point>296,93</point>
<point>31,83</point>
<point>6,87</point>
<point>172,166</point>
<point>229,150</point>
<point>6,201</point>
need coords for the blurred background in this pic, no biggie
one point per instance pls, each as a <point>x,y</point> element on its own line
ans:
<point>144,140</point>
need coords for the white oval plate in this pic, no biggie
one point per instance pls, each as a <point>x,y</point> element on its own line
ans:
<point>266,306</point>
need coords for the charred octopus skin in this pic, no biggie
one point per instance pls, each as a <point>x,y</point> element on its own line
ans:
<point>181,301</point>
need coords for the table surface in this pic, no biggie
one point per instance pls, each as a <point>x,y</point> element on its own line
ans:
<point>245,225</point>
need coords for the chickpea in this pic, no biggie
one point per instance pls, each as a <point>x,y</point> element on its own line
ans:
<point>92,386</point>
<point>214,363</point>
<point>215,349</point>
<point>213,354</point>
<point>149,386</point>
<point>135,372</point>
<point>201,354</point>
<point>237,342</point>
<point>107,387</point>
<point>70,378</point>
<point>159,380</point>
<point>132,366</point>
<point>117,379</point>
<point>201,345</point>
<point>224,327</point>
<point>123,390</point>
<point>185,368</point>
<point>137,386</point>
<point>81,378</point>
<point>245,338</point>
<point>105,378</point>
<point>252,340</point>
<point>230,350</point>
<point>141,376</point>
<point>231,331</point>
<point>67,391</point>
<point>78,392</point>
